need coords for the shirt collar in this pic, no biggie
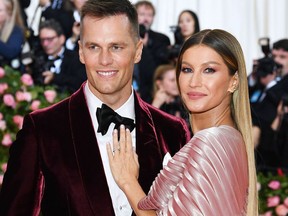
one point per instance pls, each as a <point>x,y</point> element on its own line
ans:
<point>126,110</point>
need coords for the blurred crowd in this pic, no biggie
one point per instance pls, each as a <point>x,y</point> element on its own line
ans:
<point>51,56</point>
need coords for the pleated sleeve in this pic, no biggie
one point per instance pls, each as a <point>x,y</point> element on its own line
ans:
<point>208,176</point>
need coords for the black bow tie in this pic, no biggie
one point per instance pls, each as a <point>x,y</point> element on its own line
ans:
<point>105,115</point>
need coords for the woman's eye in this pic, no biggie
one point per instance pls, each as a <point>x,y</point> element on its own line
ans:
<point>209,70</point>
<point>186,70</point>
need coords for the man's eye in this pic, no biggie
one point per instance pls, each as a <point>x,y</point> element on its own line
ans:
<point>92,47</point>
<point>116,47</point>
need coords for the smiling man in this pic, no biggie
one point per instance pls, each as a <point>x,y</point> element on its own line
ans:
<point>59,160</point>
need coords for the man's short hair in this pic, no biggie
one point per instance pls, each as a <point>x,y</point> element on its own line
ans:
<point>281,44</point>
<point>52,24</point>
<point>107,8</point>
<point>146,4</point>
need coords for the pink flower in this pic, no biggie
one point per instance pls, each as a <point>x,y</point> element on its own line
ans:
<point>4,167</point>
<point>18,120</point>
<point>3,87</point>
<point>9,100</point>
<point>286,201</point>
<point>23,96</point>
<point>6,141</point>
<point>281,210</point>
<point>2,125</point>
<point>27,79</point>
<point>2,72</point>
<point>273,201</point>
<point>35,105</point>
<point>275,185</point>
<point>50,95</point>
<point>268,213</point>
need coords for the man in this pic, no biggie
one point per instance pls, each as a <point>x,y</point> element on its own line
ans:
<point>154,51</point>
<point>280,55</point>
<point>59,163</point>
<point>54,64</point>
<point>266,111</point>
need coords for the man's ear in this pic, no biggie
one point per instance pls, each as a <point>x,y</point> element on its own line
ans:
<point>139,48</point>
<point>81,52</point>
<point>234,83</point>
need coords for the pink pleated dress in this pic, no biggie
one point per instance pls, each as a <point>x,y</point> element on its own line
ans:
<point>208,176</point>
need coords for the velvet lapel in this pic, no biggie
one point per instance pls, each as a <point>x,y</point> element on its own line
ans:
<point>149,151</point>
<point>88,156</point>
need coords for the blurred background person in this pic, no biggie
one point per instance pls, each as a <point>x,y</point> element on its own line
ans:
<point>265,111</point>
<point>154,50</point>
<point>74,6</point>
<point>54,64</point>
<point>165,93</point>
<point>11,33</point>
<point>188,24</point>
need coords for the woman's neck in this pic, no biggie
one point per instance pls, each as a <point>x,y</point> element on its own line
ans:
<point>209,119</point>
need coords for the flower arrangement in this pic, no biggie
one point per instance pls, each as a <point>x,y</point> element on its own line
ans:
<point>19,96</point>
<point>273,194</point>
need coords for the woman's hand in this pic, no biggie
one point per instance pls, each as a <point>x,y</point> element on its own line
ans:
<point>123,159</point>
<point>160,98</point>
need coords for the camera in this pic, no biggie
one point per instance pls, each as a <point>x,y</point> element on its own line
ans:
<point>142,30</point>
<point>174,50</point>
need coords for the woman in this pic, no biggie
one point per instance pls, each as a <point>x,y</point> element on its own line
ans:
<point>214,173</point>
<point>11,32</point>
<point>165,92</point>
<point>188,23</point>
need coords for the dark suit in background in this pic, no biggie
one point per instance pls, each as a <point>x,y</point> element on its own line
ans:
<point>153,55</point>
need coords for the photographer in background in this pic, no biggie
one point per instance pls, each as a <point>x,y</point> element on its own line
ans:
<point>154,50</point>
<point>54,64</point>
<point>266,111</point>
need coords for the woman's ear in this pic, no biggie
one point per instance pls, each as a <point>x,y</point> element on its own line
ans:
<point>234,83</point>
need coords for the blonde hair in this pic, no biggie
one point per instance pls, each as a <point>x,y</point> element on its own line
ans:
<point>159,73</point>
<point>227,46</point>
<point>13,10</point>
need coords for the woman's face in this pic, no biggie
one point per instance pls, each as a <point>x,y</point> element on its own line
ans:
<point>204,80</point>
<point>3,13</point>
<point>168,83</point>
<point>187,24</point>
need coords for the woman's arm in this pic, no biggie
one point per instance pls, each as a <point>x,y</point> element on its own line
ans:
<point>125,169</point>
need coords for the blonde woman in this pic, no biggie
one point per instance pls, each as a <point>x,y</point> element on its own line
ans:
<point>214,173</point>
<point>11,31</point>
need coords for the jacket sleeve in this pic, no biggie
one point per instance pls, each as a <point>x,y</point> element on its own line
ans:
<point>23,181</point>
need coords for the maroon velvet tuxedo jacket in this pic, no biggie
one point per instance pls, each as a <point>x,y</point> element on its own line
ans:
<point>55,165</point>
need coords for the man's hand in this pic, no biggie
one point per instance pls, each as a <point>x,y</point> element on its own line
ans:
<point>48,77</point>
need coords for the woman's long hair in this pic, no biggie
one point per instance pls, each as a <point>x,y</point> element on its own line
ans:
<point>13,11</point>
<point>227,46</point>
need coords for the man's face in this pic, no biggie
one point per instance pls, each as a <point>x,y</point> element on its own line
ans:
<point>280,56</point>
<point>50,41</point>
<point>109,49</point>
<point>145,16</point>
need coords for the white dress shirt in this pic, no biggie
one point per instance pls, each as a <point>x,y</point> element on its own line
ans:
<point>120,203</point>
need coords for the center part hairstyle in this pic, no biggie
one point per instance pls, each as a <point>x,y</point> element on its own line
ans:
<point>108,8</point>
<point>227,46</point>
